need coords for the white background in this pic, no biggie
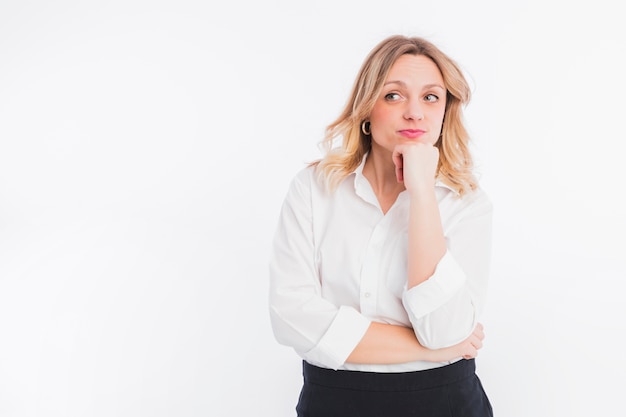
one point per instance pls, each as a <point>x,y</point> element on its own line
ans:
<point>146,146</point>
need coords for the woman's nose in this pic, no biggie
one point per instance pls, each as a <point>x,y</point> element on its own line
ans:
<point>413,110</point>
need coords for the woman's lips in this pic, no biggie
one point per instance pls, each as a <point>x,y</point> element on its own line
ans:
<point>411,133</point>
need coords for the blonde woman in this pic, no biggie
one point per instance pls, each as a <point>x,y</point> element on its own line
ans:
<point>380,260</point>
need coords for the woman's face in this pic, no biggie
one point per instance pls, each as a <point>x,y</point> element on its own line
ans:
<point>411,105</point>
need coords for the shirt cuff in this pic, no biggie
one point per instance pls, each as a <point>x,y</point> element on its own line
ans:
<point>431,294</point>
<point>343,335</point>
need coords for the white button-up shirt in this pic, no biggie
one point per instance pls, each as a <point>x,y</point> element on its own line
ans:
<point>338,263</point>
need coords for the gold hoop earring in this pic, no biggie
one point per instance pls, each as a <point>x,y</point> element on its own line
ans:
<point>366,128</point>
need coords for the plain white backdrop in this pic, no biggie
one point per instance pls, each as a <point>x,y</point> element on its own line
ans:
<point>146,146</point>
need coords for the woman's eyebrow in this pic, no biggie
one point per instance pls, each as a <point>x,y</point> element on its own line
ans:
<point>434,85</point>
<point>401,83</point>
<point>425,87</point>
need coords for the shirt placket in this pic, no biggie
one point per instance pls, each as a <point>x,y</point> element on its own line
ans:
<point>370,271</point>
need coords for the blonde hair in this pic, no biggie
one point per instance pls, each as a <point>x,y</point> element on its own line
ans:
<point>455,161</point>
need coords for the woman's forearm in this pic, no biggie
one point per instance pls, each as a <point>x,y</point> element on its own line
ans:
<point>389,344</point>
<point>426,244</point>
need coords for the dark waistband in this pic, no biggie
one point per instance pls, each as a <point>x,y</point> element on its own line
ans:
<point>379,381</point>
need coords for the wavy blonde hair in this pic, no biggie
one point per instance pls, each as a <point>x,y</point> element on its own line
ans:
<point>455,161</point>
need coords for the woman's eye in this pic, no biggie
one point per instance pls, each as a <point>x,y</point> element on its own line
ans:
<point>392,97</point>
<point>431,98</point>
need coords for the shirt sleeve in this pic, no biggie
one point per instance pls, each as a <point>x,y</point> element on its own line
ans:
<point>322,333</point>
<point>445,308</point>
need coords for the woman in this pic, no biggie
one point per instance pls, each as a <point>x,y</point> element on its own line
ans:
<point>380,260</point>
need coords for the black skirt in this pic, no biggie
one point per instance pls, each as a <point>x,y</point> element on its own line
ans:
<point>450,391</point>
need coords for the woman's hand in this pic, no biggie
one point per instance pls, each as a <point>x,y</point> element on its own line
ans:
<point>416,165</point>
<point>467,349</point>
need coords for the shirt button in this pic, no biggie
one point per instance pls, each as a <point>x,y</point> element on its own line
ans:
<point>367,295</point>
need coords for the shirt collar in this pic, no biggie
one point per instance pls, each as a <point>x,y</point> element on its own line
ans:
<point>359,170</point>
<point>439,183</point>
<point>361,184</point>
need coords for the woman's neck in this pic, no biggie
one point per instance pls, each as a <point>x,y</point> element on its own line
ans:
<point>380,171</point>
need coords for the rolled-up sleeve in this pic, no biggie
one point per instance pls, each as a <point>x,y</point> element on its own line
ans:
<point>322,333</point>
<point>445,308</point>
